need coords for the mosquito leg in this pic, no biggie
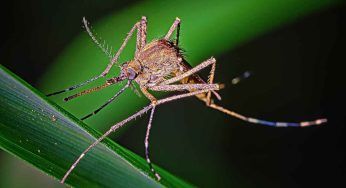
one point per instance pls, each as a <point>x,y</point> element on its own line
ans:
<point>146,143</point>
<point>148,95</point>
<point>209,103</point>
<point>117,55</point>
<point>109,66</point>
<point>178,35</point>
<point>122,123</point>
<point>101,46</point>
<point>180,96</point>
<point>211,80</point>
<point>199,67</point>
<point>143,31</point>
<point>141,35</point>
<point>182,87</point>
<point>108,102</point>
<point>268,123</point>
<point>259,121</point>
<point>195,69</point>
<point>207,99</point>
<point>176,24</point>
<point>113,128</point>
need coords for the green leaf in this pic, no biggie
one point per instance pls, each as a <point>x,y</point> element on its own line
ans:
<point>41,133</point>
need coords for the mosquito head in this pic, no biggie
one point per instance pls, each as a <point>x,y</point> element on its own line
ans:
<point>130,70</point>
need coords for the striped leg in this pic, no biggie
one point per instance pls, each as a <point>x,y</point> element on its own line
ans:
<point>265,122</point>
<point>146,144</point>
<point>211,104</point>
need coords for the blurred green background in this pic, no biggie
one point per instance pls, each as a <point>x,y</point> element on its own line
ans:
<point>296,76</point>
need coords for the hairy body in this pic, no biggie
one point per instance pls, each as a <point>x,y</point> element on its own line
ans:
<point>161,60</point>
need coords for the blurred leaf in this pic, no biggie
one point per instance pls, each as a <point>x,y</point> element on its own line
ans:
<point>39,132</point>
<point>208,28</point>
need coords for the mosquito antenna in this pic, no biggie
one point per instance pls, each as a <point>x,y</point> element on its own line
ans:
<point>109,101</point>
<point>106,51</point>
<point>101,46</point>
<point>111,51</point>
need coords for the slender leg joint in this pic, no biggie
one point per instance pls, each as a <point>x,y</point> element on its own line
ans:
<point>146,144</point>
<point>173,27</point>
<point>154,102</point>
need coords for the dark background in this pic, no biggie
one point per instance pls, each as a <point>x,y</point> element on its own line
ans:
<point>303,78</point>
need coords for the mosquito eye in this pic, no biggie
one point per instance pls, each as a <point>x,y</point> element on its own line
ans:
<point>131,74</point>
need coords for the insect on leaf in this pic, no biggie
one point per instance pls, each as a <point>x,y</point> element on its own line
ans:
<point>49,138</point>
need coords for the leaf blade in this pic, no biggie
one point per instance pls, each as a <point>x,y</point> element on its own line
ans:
<point>43,134</point>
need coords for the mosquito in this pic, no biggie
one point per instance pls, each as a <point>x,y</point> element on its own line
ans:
<point>160,66</point>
